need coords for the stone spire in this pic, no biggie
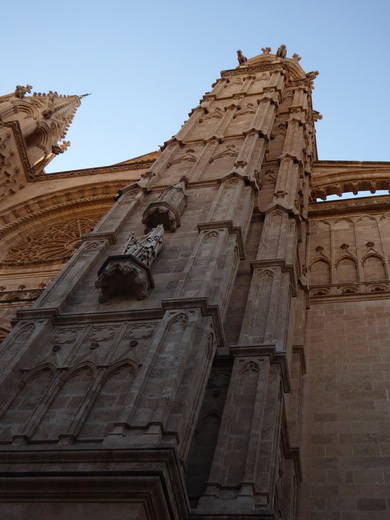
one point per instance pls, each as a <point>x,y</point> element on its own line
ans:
<point>32,129</point>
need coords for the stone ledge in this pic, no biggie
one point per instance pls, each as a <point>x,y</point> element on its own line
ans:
<point>145,478</point>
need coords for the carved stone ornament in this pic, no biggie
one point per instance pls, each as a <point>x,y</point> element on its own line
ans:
<point>241,58</point>
<point>167,210</point>
<point>129,274</point>
<point>21,91</point>
<point>61,148</point>
<point>312,75</point>
<point>282,51</point>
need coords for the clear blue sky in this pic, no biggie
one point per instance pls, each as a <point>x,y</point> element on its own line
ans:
<point>148,63</point>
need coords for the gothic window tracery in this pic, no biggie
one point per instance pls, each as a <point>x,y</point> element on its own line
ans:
<point>56,242</point>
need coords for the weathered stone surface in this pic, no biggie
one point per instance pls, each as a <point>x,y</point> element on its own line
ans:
<point>238,370</point>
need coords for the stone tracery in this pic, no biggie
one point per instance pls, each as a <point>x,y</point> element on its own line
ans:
<point>55,242</point>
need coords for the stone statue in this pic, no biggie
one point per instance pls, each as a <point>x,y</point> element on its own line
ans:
<point>21,91</point>
<point>147,248</point>
<point>296,57</point>
<point>241,58</point>
<point>282,51</point>
<point>266,50</point>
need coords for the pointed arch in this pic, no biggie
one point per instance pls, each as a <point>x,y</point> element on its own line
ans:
<point>346,268</point>
<point>373,267</point>
<point>201,454</point>
<point>177,318</point>
<point>66,403</point>
<point>25,400</point>
<point>83,365</point>
<point>250,365</point>
<point>109,403</point>
<point>320,270</point>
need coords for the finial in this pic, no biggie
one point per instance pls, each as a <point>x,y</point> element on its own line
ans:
<point>266,50</point>
<point>85,95</point>
<point>282,51</point>
<point>241,58</point>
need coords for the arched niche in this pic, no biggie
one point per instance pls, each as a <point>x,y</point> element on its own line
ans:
<point>373,268</point>
<point>346,270</point>
<point>320,273</point>
<point>65,405</point>
<point>109,403</point>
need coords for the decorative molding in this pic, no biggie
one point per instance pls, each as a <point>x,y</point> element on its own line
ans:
<point>362,290</point>
<point>95,171</point>
<point>26,295</point>
<point>15,127</point>
<point>232,230</point>
<point>247,69</point>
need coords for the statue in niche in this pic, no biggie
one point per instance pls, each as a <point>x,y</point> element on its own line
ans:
<point>129,274</point>
<point>241,58</point>
<point>282,51</point>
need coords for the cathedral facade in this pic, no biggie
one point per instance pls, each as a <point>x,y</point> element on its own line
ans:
<point>194,335</point>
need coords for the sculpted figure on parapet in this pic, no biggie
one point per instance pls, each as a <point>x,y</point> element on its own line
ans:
<point>241,58</point>
<point>21,91</point>
<point>282,51</point>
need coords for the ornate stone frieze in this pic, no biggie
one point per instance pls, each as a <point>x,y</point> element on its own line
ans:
<point>129,274</point>
<point>357,289</point>
<point>22,295</point>
<point>267,67</point>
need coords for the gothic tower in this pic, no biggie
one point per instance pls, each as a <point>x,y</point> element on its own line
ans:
<point>159,375</point>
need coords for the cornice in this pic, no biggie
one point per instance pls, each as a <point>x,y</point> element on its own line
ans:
<point>338,177</point>
<point>95,171</point>
<point>266,67</point>
<point>367,204</point>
